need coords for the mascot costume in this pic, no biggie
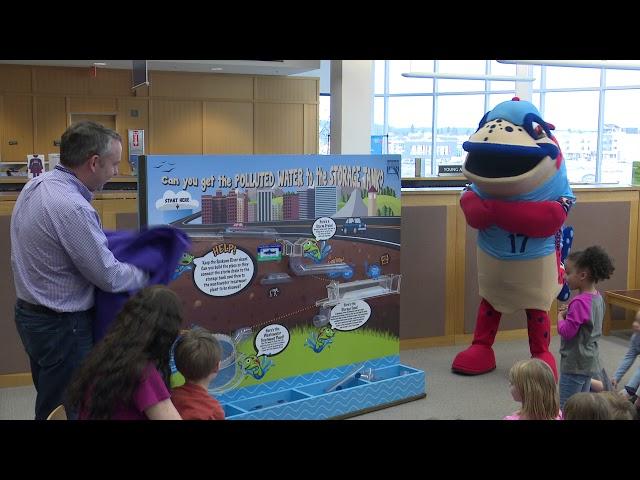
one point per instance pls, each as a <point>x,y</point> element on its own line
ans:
<point>518,200</point>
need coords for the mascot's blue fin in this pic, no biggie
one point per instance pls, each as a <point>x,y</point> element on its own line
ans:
<point>565,248</point>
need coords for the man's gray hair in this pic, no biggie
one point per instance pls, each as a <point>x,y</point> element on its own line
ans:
<point>83,140</point>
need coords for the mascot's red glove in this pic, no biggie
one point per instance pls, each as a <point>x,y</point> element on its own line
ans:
<point>534,219</point>
<point>478,212</point>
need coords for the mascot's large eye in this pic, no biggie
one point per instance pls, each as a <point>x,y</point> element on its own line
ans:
<point>538,131</point>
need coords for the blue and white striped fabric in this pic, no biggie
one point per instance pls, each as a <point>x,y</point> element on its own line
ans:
<point>58,249</point>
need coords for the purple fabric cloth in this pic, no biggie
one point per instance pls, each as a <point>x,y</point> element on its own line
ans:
<point>156,251</point>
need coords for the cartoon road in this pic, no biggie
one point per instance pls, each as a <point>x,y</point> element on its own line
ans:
<point>380,230</point>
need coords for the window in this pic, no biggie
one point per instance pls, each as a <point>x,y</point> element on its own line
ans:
<point>458,117</point>
<point>409,130</point>
<point>575,116</point>
<point>324,129</point>
<point>599,144</point>
<point>621,134</point>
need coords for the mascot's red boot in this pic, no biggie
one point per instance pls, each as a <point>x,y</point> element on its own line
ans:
<point>479,357</point>
<point>518,200</point>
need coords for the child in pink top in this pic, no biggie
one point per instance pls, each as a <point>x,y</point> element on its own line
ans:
<point>126,375</point>
<point>533,384</point>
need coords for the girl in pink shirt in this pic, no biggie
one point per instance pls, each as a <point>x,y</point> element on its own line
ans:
<point>126,375</point>
<point>533,384</point>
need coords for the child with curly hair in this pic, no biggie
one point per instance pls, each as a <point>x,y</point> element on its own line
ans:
<point>534,385</point>
<point>580,322</point>
<point>126,375</point>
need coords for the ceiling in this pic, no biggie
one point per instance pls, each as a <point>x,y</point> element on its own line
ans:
<point>247,67</point>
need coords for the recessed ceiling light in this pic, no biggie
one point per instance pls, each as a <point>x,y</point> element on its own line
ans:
<point>100,64</point>
<point>216,69</point>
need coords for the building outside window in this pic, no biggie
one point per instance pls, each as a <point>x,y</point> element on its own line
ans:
<point>324,127</point>
<point>594,111</point>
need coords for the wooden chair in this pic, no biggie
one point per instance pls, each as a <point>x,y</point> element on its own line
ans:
<point>58,413</point>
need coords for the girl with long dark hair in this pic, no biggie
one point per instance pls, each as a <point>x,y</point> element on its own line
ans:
<point>126,375</point>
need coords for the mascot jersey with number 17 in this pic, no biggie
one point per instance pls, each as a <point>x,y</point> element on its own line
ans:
<point>518,200</point>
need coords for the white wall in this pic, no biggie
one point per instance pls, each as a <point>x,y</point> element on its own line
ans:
<point>351,106</point>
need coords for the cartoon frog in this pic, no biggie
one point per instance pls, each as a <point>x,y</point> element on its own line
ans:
<point>311,250</point>
<point>323,338</point>
<point>316,251</point>
<point>184,264</point>
<point>255,365</point>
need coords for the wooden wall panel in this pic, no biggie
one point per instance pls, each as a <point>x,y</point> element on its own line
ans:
<point>61,81</point>
<point>17,126</point>
<point>51,122</point>
<point>228,127</point>
<point>126,122</point>
<point>92,105</point>
<point>278,128</point>
<point>284,89</point>
<point>227,123</point>
<point>311,129</point>
<point>127,221</point>
<point>13,358</point>
<point>614,238</point>
<point>423,275</point>
<point>199,85</point>
<point>15,79</point>
<point>110,82</point>
<point>112,207</point>
<point>175,127</point>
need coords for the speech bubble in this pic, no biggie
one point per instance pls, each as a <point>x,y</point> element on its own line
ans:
<point>224,271</point>
<point>350,315</point>
<point>324,228</point>
<point>176,201</point>
<point>271,340</point>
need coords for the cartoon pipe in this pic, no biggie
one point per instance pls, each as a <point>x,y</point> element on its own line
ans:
<point>295,251</point>
<point>366,374</point>
<point>300,269</point>
<point>360,290</point>
<point>322,318</point>
<point>344,381</point>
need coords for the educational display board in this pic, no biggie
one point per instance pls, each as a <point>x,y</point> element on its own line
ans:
<point>294,263</point>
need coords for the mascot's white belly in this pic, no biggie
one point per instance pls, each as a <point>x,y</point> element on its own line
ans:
<point>518,284</point>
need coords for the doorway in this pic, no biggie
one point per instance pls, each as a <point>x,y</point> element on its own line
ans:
<point>108,121</point>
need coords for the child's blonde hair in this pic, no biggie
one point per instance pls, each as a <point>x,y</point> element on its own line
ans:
<point>536,384</point>
<point>587,406</point>
<point>619,408</point>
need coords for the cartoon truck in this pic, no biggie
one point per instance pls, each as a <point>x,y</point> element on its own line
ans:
<point>353,225</point>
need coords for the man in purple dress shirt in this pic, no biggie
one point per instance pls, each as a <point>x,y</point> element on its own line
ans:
<point>59,253</point>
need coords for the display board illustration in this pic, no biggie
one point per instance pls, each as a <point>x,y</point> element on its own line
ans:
<point>295,260</point>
